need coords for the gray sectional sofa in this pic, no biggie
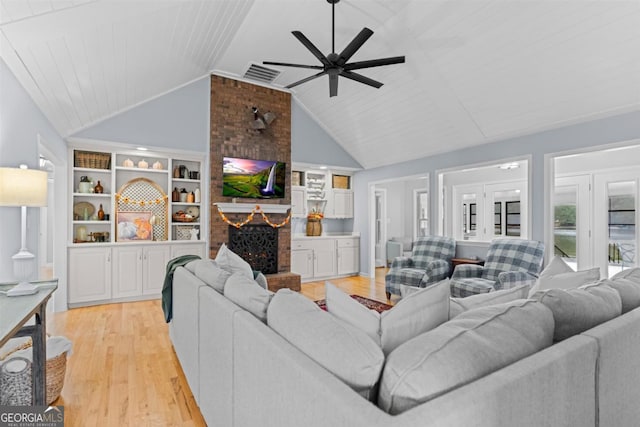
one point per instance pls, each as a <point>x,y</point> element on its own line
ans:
<point>244,374</point>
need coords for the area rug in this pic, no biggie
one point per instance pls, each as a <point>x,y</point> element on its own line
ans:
<point>369,303</point>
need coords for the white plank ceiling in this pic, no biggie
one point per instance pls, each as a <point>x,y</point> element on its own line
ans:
<point>477,70</point>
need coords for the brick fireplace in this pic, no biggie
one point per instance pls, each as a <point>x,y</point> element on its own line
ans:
<point>233,136</point>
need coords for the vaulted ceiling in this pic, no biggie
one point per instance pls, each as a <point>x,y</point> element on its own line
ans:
<point>476,71</point>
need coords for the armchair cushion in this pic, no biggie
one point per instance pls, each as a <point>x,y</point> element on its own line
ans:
<point>464,271</point>
<point>461,288</point>
<point>510,279</point>
<point>436,270</point>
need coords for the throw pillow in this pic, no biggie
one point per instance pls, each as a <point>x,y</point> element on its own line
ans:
<point>576,310</point>
<point>558,275</point>
<point>340,348</point>
<point>210,273</point>
<point>460,305</point>
<point>232,262</point>
<point>248,294</point>
<point>417,313</point>
<point>466,348</point>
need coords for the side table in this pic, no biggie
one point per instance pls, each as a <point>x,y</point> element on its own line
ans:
<point>458,261</point>
<point>14,314</point>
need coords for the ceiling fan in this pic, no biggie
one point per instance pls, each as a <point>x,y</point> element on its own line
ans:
<point>335,64</point>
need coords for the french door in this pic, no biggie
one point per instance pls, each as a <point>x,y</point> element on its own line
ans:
<point>616,234</point>
<point>572,238</point>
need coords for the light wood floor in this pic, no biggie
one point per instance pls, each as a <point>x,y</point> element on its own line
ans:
<point>123,370</point>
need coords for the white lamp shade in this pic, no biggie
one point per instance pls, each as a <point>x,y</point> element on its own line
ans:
<point>23,187</point>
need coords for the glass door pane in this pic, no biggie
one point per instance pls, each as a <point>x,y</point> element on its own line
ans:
<point>621,225</point>
<point>565,221</point>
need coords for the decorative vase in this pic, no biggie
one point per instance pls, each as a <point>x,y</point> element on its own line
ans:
<point>101,213</point>
<point>314,227</point>
<point>98,188</point>
<point>175,195</point>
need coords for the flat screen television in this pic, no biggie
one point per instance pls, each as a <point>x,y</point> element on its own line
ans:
<point>255,179</point>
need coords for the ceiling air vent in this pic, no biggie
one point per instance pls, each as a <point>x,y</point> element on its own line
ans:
<point>261,73</point>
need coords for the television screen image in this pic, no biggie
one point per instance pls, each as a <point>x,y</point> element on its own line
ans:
<point>255,179</point>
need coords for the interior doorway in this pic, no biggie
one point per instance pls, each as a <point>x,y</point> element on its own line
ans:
<point>380,226</point>
<point>398,209</point>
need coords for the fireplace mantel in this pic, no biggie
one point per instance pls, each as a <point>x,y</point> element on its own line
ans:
<point>248,207</point>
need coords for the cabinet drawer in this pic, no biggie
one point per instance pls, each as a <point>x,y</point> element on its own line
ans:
<point>348,243</point>
<point>300,245</point>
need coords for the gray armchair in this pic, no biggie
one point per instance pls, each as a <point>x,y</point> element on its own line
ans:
<point>430,262</point>
<point>510,263</point>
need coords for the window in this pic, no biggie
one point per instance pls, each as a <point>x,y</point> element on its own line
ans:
<point>513,218</point>
<point>481,203</point>
<point>421,219</point>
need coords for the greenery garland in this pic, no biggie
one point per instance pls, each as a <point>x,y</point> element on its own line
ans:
<point>255,210</point>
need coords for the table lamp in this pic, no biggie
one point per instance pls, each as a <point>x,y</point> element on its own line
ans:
<point>23,187</point>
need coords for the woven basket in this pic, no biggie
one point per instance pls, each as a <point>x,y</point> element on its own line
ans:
<point>92,160</point>
<point>56,369</point>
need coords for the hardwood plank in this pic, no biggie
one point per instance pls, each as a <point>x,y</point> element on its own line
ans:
<point>123,370</point>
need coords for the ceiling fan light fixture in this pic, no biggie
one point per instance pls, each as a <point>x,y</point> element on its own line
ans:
<point>335,65</point>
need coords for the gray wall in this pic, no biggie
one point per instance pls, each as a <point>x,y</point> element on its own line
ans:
<point>20,124</point>
<point>176,120</point>
<point>614,129</point>
<point>310,143</point>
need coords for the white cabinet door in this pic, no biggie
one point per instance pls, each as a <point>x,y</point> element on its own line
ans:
<point>155,259</point>
<point>302,263</point>
<point>298,197</point>
<point>127,271</point>
<point>89,274</point>
<point>343,203</point>
<point>324,258</point>
<point>348,256</point>
<point>188,249</point>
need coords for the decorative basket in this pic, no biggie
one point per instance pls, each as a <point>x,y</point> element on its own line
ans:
<point>183,232</point>
<point>15,386</point>
<point>56,369</point>
<point>177,218</point>
<point>92,160</point>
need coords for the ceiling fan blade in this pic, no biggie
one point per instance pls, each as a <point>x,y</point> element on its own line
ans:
<point>362,79</point>
<point>374,63</point>
<point>333,84</point>
<point>312,48</point>
<point>284,64</point>
<point>355,44</point>
<point>307,79</point>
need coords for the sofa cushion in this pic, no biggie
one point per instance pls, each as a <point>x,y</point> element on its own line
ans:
<point>209,272</point>
<point>342,349</point>
<point>248,294</point>
<point>466,348</point>
<point>579,309</point>
<point>632,274</point>
<point>232,262</point>
<point>628,289</point>
<point>558,275</point>
<point>417,313</point>
<point>460,305</point>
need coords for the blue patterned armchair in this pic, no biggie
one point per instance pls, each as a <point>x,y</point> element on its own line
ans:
<point>509,263</point>
<point>430,262</point>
